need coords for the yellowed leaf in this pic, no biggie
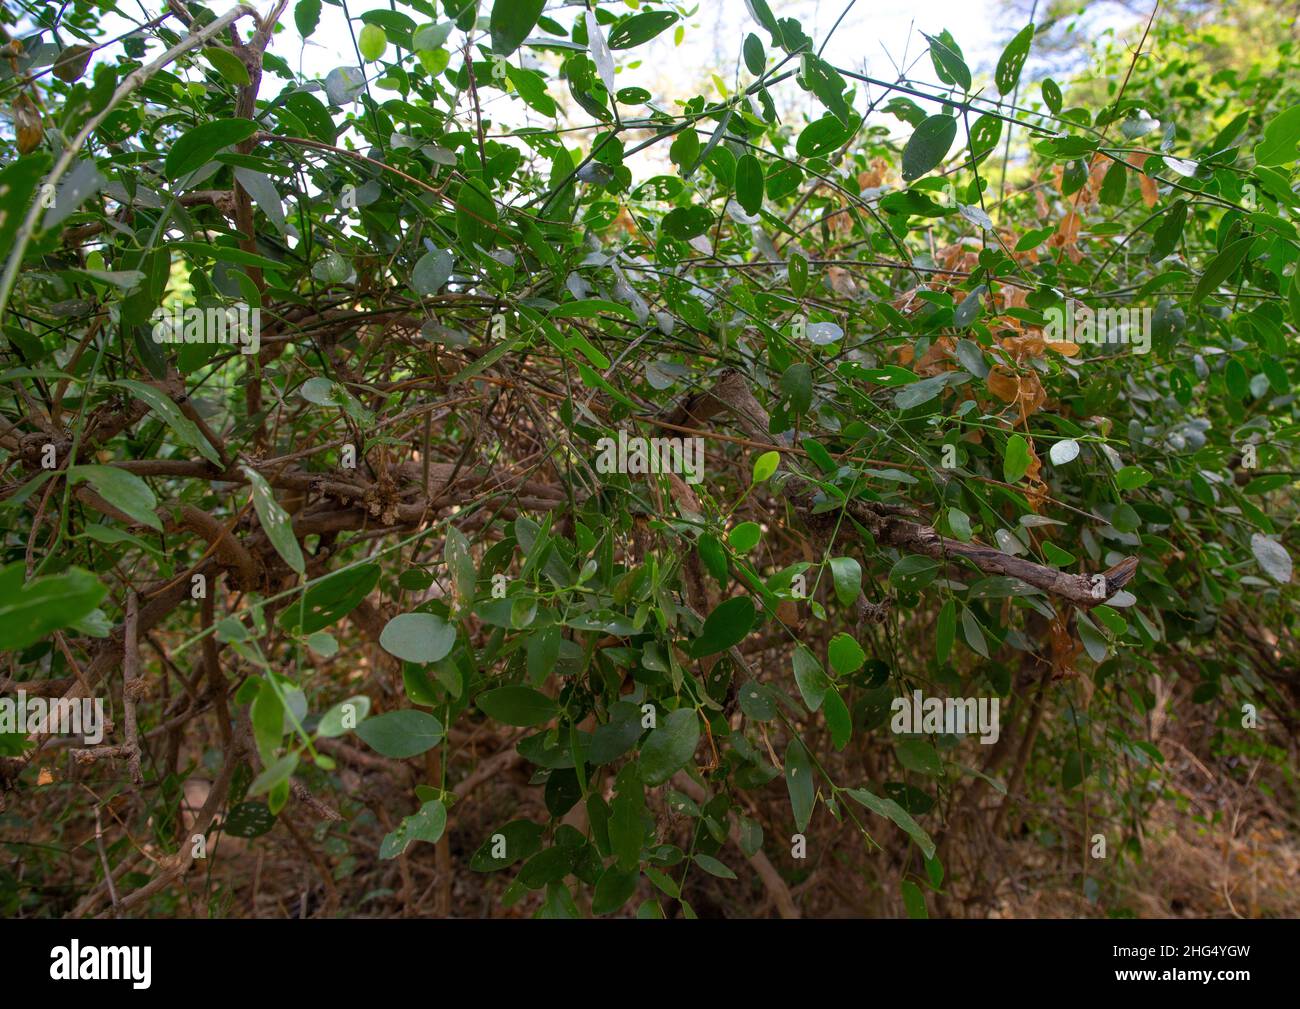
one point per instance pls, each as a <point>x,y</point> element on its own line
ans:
<point>27,124</point>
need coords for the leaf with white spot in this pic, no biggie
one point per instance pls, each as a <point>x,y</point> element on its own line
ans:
<point>276,522</point>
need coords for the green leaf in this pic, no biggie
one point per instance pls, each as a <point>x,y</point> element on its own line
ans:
<point>796,386</point>
<point>913,572</point>
<point>371,42</point>
<point>846,573</point>
<point>627,828</point>
<point>520,839</point>
<point>1281,137</point>
<point>431,37</point>
<point>959,523</point>
<point>749,183</point>
<point>123,490</point>
<point>476,213</point>
<point>668,747</point>
<point>972,358</point>
<point>798,272</point>
<point>762,13</point>
<point>892,810</point>
<point>517,705</point>
<point>685,223</point>
<point>810,678</point>
<point>182,426</point>
<point>248,820</point>
<point>973,633</point>
<point>275,521</point>
<point>745,537</point>
<point>323,644</point>
<point>913,900</point>
<point>1166,236</point>
<point>948,62</point>
<point>1114,184</point>
<point>846,655</point>
<point>29,610</point>
<point>969,309</point>
<point>1077,767</point>
<point>1236,379</point>
<point>432,271</point>
<point>714,557</point>
<point>306,16</point>
<point>824,135</point>
<point>826,83</point>
<point>1015,463</point>
<point>427,824</point>
<point>418,637</point>
<point>332,268</point>
<point>18,182</point>
<point>756,702</point>
<point>532,89</point>
<point>333,723</point>
<point>511,21</point>
<point>916,393</point>
<point>1221,267</point>
<point>328,600</point>
<point>203,251</point>
<point>401,734</point>
<point>200,144</point>
<point>838,719</point>
<point>615,886</point>
<point>919,756</point>
<point>323,392</point>
<point>543,652</point>
<point>1012,61</point>
<point>755,54</point>
<point>765,465</point>
<point>1294,299</point>
<point>275,773</point>
<point>945,631</point>
<point>928,146</point>
<point>1033,239</point>
<point>1131,477</point>
<point>228,65</point>
<point>799,781</point>
<point>727,625</point>
<point>1051,95</point>
<point>713,867</point>
<point>266,714</point>
<point>640,28</point>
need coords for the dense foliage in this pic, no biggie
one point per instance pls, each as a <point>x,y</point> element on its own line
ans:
<point>995,381</point>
